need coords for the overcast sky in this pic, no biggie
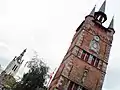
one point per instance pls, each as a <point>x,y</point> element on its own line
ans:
<point>47,26</point>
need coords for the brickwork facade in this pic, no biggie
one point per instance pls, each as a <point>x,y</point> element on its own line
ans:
<point>84,65</point>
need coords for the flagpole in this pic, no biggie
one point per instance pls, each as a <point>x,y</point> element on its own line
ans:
<point>51,77</point>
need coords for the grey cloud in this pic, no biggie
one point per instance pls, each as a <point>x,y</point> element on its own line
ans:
<point>4,61</point>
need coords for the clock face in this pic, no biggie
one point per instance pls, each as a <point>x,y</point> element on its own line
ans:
<point>19,61</point>
<point>96,38</point>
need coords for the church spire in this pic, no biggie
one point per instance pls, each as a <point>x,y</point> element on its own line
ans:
<point>19,58</point>
<point>102,8</point>
<point>111,23</point>
<point>93,11</point>
<point>15,64</point>
<point>23,52</point>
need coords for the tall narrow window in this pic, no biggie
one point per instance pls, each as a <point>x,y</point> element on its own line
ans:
<point>86,57</point>
<point>83,55</point>
<point>96,62</point>
<point>14,67</point>
<point>93,61</point>
<point>70,86</point>
<point>90,59</point>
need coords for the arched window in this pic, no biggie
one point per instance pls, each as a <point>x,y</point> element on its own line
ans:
<point>15,67</point>
<point>94,44</point>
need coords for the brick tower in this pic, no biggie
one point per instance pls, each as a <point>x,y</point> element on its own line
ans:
<point>84,65</point>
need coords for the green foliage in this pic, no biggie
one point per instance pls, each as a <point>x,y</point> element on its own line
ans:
<point>35,78</point>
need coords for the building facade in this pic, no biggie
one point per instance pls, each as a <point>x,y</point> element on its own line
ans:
<point>84,65</point>
<point>15,64</point>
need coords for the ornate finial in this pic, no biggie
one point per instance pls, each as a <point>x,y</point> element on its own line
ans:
<point>19,58</point>
<point>102,8</point>
<point>111,23</point>
<point>23,52</point>
<point>93,11</point>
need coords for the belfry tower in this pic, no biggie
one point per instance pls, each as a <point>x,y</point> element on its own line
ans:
<point>15,64</point>
<point>84,65</point>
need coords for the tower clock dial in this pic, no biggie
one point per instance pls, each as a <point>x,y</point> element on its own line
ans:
<point>96,38</point>
<point>19,59</point>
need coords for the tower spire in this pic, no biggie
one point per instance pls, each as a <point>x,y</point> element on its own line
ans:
<point>93,11</point>
<point>102,8</point>
<point>19,58</point>
<point>15,64</point>
<point>111,23</point>
<point>23,52</point>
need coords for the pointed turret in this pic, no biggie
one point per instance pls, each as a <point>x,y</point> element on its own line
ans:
<point>19,58</point>
<point>111,28</point>
<point>112,23</point>
<point>102,8</point>
<point>23,52</point>
<point>93,11</point>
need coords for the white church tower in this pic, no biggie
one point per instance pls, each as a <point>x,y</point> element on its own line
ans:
<point>15,64</point>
